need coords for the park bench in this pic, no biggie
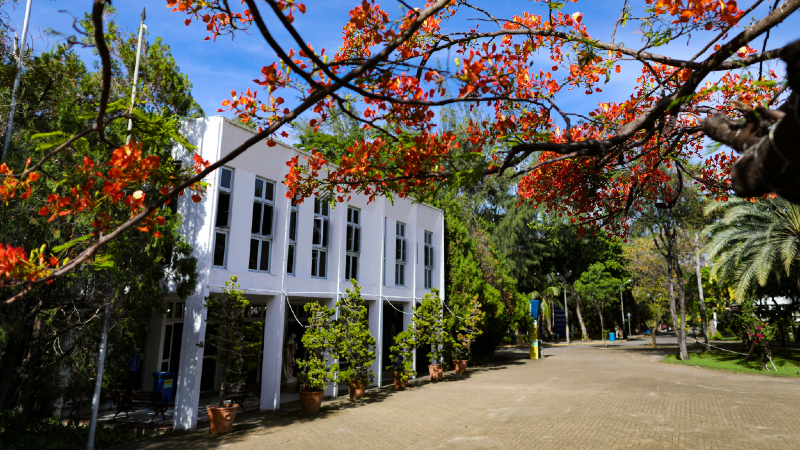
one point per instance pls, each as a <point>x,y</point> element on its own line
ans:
<point>126,400</point>
<point>245,391</point>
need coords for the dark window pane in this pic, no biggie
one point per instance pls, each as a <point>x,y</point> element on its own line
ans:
<point>322,263</point>
<point>256,218</point>
<point>225,181</point>
<point>223,208</point>
<point>355,216</point>
<point>252,262</point>
<point>397,274</point>
<point>403,255</point>
<point>219,249</point>
<point>266,226</point>
<point>349,214</point>
<point>314,262</point>
<point>259,193</point>
<point>290,260</point>
<point>398,251</point>
<point>316,238</point>
<point>293,226</point>
<point>167,342</point>
<point>354,268</point>
<point>325,207</point>
<point>264,264</point>
<point>349,246</point>
<point>347,267</point>
<point>357,240</point>
<point>325,233</point>
<point>270,194</point>
<point>317,206</point>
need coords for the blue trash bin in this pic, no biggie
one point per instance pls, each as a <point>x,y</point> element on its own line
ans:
<point>164,383</point>
<point>611,337</point>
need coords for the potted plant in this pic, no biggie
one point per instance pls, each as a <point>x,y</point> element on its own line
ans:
<point>237,345</point>
<point>429,324</point>
<point>401,355</point>
<point>319,340</point>
<point>468,323</point>
<point>355,344</point>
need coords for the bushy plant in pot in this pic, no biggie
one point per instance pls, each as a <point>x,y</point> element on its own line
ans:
<point>401,355</point>
<point>429,325</point>
<point>237,343</point>
<point>469,323</point>
<point>319,339</point>
<point>355,344</point>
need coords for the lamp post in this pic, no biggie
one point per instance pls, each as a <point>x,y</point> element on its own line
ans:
<point>629,324</point>
<point>622,304</point>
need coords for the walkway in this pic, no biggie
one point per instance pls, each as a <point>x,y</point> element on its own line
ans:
<point>577,397</point>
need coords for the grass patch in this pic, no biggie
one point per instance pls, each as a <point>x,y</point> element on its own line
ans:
<point>786,360</point>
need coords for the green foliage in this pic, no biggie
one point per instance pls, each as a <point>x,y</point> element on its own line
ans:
<point>321,341</point>
<point>52,434</point>
<point>751,243</point>
<point>237,341</point>
<point>468,329</point>
<point>429,325</point>
<point>597,289</point>
<point>354,343</point>
<point>401,354</point>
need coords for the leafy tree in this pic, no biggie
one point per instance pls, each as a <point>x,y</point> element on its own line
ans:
<point>429,325</point>
<point>401,354</point>
<point>649,273</point>
<point>355,344</point>
<point>468,328</point>
<point>321,341</point>
<point>237,341</point>
<point>597,289</point>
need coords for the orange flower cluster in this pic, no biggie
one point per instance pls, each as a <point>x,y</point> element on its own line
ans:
<point>714,14</point>
<point>16,265</point>
<point>9,185</point>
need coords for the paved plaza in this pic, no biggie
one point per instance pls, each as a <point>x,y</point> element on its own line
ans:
<point>577,397</point>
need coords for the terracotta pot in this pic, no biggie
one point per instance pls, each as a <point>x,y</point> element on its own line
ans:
<point>436,372</point>
<point>357,389</point>
<point>220,419</point>
<point>399,382</point>
<point>461,365</point>
<point>310,401</point>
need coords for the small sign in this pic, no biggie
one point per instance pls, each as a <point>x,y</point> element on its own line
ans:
<point>168,383</point>
<point>534,309</point>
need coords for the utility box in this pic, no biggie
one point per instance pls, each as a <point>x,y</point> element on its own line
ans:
<point>164,384</point>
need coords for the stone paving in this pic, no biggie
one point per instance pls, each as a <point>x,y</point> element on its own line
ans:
<point>578,397</point>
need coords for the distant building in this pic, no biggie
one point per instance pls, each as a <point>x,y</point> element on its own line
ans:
<point>286,255</point>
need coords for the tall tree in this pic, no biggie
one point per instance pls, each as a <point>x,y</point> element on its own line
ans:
<point>597,289</point>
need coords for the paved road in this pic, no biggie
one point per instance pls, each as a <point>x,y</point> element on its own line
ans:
<point>577,397</point>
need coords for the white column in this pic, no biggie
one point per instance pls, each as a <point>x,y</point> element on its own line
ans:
<point>191,366</point>
<point>273,353</point>
<point>408,308</point>
<point>333,388</point>
<point>376,330</point>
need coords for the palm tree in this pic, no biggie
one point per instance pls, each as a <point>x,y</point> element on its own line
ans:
<point>549,288</point>
<point>750,241</point>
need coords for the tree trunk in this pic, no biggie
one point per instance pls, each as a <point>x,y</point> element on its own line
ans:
<point>580,319</point>
<point>653,334</point>
<point>703,315</point>
<point>23,404</point>
<point>682,331</point>
<point>712,327</point>
<point>672,311</point>
<point>750,353</point>
<point>602,328</point>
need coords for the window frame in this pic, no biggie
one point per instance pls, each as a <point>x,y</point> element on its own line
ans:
<point>428,259</point>
<point>226,229</point>
<point>319,265</point>
<point>352,243</point>
<point>291,235</point>
<point>400,247</point>
<point>262,202</point>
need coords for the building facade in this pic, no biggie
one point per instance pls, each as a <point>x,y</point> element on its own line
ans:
<point>285,255</point>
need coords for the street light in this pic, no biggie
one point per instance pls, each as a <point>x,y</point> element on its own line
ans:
<point>622,304</point>
<point>566,310</point>
<point>629,324</point>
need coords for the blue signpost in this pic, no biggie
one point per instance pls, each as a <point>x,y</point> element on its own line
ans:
<point>534,334</point>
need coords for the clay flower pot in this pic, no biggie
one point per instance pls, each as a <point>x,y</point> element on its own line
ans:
<point>461,365</point>
<point>357,389</point>
<point>436,372</point>
<point>399,382</point>
<point>310,401</point>
<point>220,419</point>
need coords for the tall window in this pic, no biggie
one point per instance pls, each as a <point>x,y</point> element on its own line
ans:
<point>292,238</point>
<point>319,239</point>
<point>428,257</point>
<point>400,255</point>
<point>222,222</point>
<point>261,228</point>
<point>353,245</point>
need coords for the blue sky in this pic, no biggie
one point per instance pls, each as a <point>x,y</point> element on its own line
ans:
<point>217,67</point>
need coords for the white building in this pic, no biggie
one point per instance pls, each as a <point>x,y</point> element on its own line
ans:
<point>286,255</point>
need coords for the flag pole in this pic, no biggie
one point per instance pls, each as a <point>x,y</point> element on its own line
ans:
<point>142,27</point>
<point>17,79</point>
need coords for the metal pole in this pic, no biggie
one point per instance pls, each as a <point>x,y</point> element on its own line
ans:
<point>566,311</point>
<point>629,324</point>
<point>17,79</point>
<point>623,310</point>
<point>136,74</point>
<point>101,359</point>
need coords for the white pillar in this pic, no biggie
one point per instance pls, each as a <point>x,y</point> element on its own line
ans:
<point>191,366</point>
<point>333,388</point>
<point>376,330</point>
<point>273,353</point>
<point>408,308</point>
